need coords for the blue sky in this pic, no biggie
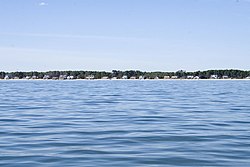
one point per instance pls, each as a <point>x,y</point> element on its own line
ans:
<point>147,35</point>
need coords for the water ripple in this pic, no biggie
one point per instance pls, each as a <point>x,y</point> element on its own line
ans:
<point>124,123</point>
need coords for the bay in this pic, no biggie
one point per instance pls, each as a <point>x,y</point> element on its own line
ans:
<point>125,123</point>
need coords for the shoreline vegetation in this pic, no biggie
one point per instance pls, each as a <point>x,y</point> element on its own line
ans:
<point>129,74</point>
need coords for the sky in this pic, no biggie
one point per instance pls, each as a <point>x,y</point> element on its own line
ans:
<point>103,35</point>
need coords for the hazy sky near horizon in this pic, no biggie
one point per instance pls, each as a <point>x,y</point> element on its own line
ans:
<point>147,35</point>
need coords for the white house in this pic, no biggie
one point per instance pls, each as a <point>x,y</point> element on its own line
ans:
<point>105,77</point>
<point>6,77</point>
<point>34,77</point>
<point>214,76</point>
<point>133,77</point>
<point>90,77</point>
<point>196,77</point>
<point>62,77</point>
<point>166,77</point>
<point>141,77</point>
<point>225,77</point>
<point>190,77</point>
<point>46,77</point>
<point>124,77</point>
<point>174,77</point>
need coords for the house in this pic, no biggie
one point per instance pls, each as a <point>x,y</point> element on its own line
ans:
<point>167,77</point>
<point>27,77</point>
<point>196,77</point>
<point>214,77</point>
<point>141,77</point>
<point>90,77</point>
<point>46,77</point>
<point>55,78</point>
<point>70,77</point>
<point>62,77</point>
<point>225,77</point>
<point>114,78</point>
<point>190,77</point>
<point>105,77</point>
<point>248,77</point>
<point>174,77</point>
<point>124,77</point>
<point>133,77</point>
<point>16,77</point>
<point>34,77</point>
<point>156,77</point>
<point>6,77</point>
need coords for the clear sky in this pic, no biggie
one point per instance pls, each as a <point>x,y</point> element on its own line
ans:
<point>147,35</point>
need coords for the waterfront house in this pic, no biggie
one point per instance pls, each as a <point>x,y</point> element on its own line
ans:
<point>248,77</point>
<point>62,77</point>
<point>6,77</point>
<point>133,77</point>
<point>46,77</point>
<point>55,78</point>
<point>225,77</point>
<point>167,77</point>
<point>105,77</point>
<point>156,77</point>
<point>124,77</point>
<point>190,77</point>
<point>16,77</point>
<point>90,77</point>
<point>114,78</point>
<point>141,77</point>
<point>70,77</point>
<point>27,77</point>
<point>196,77</point>
<point>174,77</point>
<point>34,77</point>
<point>214,77</point>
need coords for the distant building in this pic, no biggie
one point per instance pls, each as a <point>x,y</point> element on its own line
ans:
<point>46,77</point>
<point>16,77</point>
<point>225,77</point>
<point>166,77</point>
<point>156,77</point>
<point>214,77</point>
<point>174,77</point>
<point>34,77</point>
<point>196,77</point>
<point>62,77</point>
<point>70,77</point>
<point>90,77</point>
<point>190,77</point>
<point>6,77</point>
<point>27,77</point>
<point>248,77</point>
<point>141,77</point>
<point>114,78</point>
<point>55,78</point>
<point>124,77</point>
<point>105,77</point>
<point>133,77</point>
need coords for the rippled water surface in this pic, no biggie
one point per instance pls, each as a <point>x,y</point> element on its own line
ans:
<point>124,123</point>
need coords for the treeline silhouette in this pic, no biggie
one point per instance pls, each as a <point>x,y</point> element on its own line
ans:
<point>232,73</point>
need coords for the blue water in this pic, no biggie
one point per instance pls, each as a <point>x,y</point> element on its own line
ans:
<point>124,123</point>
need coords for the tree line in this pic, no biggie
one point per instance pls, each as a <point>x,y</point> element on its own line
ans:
<point>232,73</point>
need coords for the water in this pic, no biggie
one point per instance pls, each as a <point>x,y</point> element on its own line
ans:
<point>124,123</point>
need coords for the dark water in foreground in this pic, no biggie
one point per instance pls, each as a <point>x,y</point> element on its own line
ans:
<point>124,123</point>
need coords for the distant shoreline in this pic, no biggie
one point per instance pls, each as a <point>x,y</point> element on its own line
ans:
<point>244,79</point>
<point>228,74</point>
